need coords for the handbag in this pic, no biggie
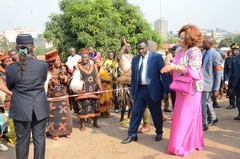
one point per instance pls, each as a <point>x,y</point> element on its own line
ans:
<point>183,84</point>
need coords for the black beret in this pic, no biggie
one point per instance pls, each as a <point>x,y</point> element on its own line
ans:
<point>24,39</point>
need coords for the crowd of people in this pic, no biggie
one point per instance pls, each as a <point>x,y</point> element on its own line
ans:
<point>39,96</point>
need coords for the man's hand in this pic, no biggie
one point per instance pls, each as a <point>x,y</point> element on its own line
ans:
<point>165,97</point>
<point>124,40</point>
<point>215,94</point>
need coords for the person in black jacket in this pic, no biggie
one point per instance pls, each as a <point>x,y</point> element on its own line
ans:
<point>29,106</point>
<point>227,66</point>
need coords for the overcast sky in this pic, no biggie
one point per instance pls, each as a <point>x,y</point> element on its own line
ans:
<point>203,13</point>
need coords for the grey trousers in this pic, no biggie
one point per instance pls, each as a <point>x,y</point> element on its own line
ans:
<point>23,129</point>
<point>207,108</point>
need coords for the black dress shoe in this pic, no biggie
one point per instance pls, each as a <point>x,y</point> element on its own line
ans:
<point>206,128</point>
<point>211,122</point>
<point>231,107</point>
<point>158,137</point>
<point>129,139</point>
<point>237,118</point>
<point>167,110</point>
<point>216,106</point>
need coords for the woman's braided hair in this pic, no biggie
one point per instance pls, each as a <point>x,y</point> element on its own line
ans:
<point>22,63</point>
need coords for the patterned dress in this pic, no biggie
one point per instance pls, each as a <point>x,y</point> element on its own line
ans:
<point>60,120</point>
<point>106,101</point>
<point>87,103</point>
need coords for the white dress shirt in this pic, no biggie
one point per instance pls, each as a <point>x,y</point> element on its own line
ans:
<point>144,73</point>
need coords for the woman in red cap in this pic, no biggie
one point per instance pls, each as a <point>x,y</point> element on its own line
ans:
<point>87,106</point>
<point>5,61</point>
<point>60,120</point>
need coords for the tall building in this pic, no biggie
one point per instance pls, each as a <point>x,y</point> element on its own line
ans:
<point>214,34</point>
<point>161,26</point>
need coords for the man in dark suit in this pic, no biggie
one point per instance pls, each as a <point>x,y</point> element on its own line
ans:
<point>148,87</point>
<point>227,66</point>
<point>234,76</point>
<point>29,106</point>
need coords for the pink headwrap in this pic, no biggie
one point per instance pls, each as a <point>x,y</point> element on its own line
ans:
<point>97,58</point>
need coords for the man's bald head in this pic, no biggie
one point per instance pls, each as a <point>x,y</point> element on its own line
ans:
<point>210,40</point>
<point>208,43</point>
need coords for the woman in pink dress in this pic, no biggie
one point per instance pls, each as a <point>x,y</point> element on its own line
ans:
<point>186,129</point>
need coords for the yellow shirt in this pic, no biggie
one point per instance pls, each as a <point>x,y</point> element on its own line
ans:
<point>108,63</point>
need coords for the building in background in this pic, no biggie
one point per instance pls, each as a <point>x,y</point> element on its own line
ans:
<point>11,35</point>
<point>218,34</point>
<point>161,26</point>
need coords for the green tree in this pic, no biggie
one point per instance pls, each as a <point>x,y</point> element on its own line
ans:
<point>6,45</point>
<point>172,40</point>
<point>42,50</point>
<point>97,23</point>
<point>236,39</point>
<point>226,42</point>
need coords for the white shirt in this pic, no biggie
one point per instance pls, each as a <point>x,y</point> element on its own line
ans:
<point>144,73</point>
<point>72,61</point>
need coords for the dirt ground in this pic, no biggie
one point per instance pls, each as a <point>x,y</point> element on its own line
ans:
<point>222,141</point>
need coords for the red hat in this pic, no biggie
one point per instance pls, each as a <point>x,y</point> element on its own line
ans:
<point>52,55</point>
<point>3,55</point>
<point>84,51</point>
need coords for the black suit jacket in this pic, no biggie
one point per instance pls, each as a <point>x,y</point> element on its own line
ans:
<point>234,72</point>
<point>28,92</point>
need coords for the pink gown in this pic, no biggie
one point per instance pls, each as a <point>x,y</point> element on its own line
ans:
<point>186,129</point>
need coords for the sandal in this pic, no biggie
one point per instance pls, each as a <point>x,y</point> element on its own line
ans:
<point>68,135</point>
<point>82,129</point>
<point>96,126</point>
<point>55,137</point>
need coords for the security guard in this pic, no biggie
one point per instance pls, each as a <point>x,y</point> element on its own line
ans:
<point>228,82</point>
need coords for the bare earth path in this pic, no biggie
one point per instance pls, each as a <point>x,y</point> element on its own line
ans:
<point>222,141</point>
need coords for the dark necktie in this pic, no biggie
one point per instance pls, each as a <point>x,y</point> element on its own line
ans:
<point>204,56</point>
<point>141,71</point>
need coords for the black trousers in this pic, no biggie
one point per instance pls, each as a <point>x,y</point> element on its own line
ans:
<point>231,94</point>
<point>23,130</point>
<point>172,93</point>
<point>237,91</point>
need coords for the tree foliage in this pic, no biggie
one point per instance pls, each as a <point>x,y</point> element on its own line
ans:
<point>42,50</point>
<point>236,39</point>
<point>6,45</point>
<point>172,40</point>
<point>225,42</point>
<point>97,23</point>
<point>229,41</point>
